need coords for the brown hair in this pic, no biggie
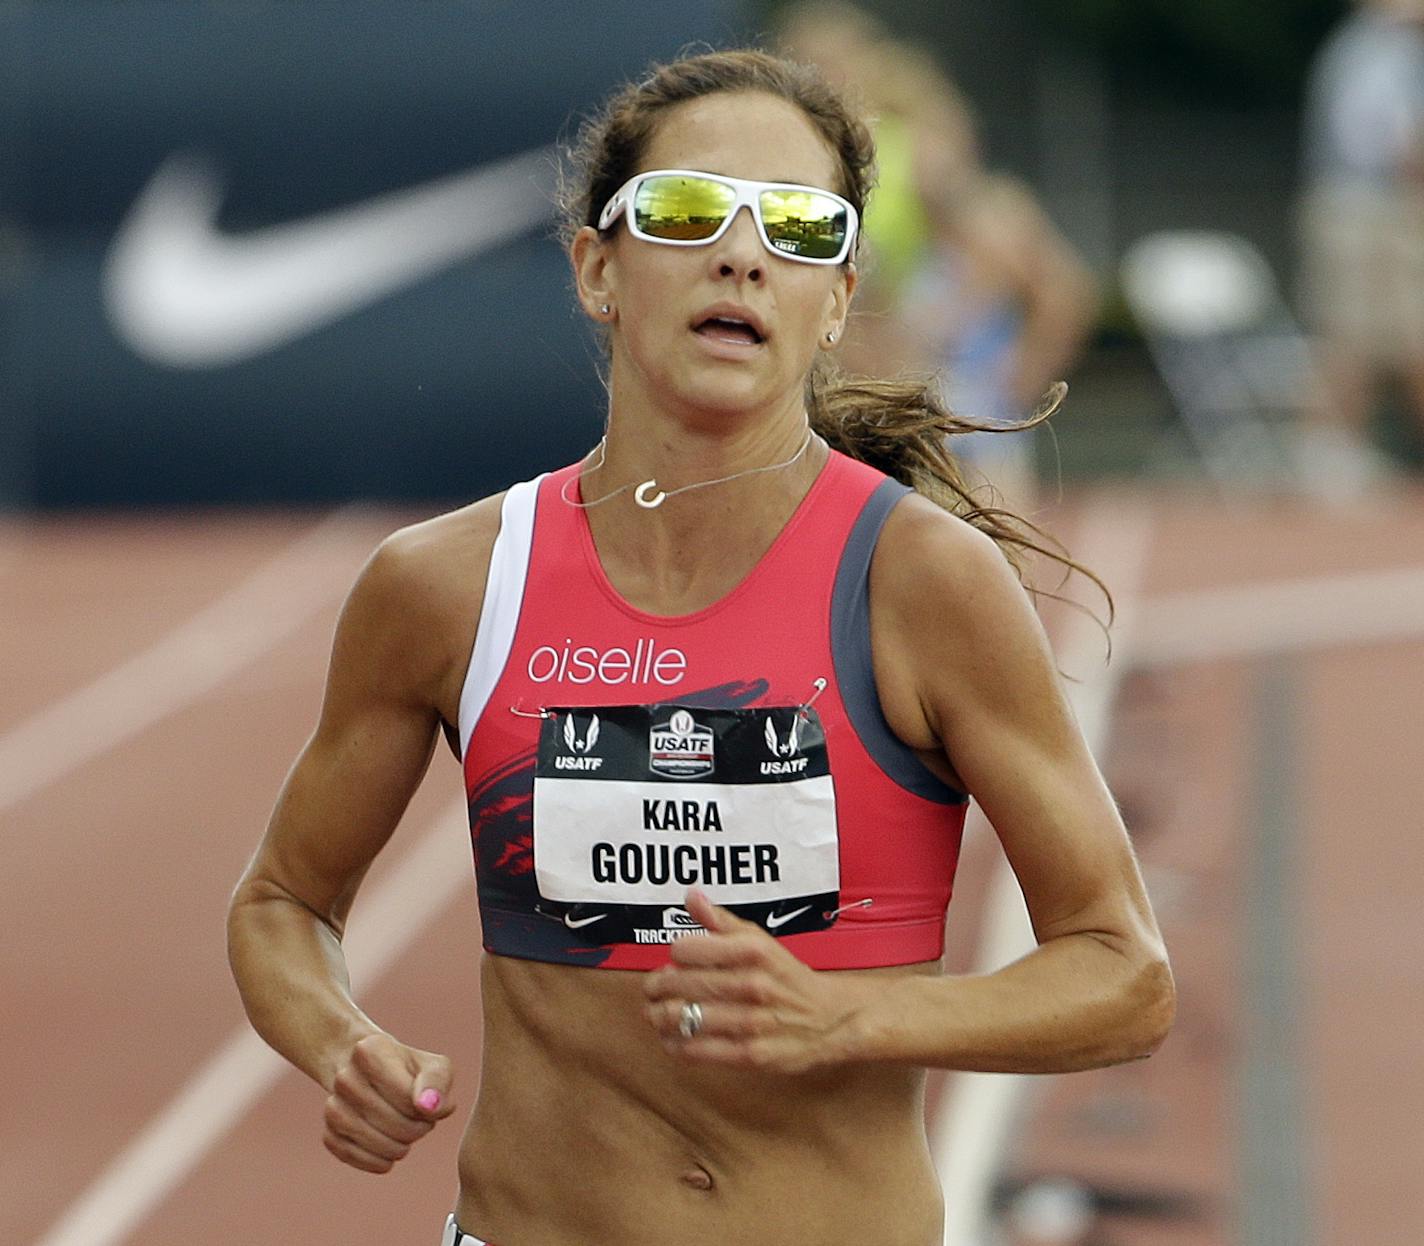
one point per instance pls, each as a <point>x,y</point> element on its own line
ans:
<point>898,426</point>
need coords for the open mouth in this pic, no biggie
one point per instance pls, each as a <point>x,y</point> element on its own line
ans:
<point>727,329</point>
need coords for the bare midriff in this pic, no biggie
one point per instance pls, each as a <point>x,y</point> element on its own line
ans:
<point>587,1132</point>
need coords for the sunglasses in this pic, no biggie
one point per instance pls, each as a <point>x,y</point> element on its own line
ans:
<point>682,208</point>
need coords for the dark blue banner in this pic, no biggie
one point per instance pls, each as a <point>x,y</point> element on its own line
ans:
<point>265,252</point>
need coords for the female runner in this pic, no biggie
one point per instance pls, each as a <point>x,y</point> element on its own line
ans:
<point>728,691</point>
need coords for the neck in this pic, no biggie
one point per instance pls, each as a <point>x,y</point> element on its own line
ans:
<point>699,543</point>
<point>681,446</point>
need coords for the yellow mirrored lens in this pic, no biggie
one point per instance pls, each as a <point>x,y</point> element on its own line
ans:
<point>801,222</point>
<point>687,208</point>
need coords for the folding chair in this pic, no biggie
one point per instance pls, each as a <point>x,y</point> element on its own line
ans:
<point>1232,356</point>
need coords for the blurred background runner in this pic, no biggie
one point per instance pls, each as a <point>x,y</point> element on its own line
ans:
<point>1362,232</point>
<point>967,275</point>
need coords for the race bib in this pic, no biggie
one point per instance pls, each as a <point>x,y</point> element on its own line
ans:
<point>634,804</point>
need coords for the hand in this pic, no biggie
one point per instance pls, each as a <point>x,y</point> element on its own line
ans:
<point>386,1097</point>
<point>761,1007</point>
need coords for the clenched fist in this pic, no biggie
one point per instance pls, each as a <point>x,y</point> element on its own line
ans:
<point>386,1097</point>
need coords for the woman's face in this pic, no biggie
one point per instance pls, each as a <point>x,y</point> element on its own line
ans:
<point>663,343</point>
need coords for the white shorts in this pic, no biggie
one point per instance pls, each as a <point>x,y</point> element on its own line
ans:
<point>454,1235</point>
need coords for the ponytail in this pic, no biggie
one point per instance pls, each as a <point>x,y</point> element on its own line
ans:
<point>903,428</point>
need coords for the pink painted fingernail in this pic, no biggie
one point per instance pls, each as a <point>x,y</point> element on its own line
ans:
<point>429,1100</point>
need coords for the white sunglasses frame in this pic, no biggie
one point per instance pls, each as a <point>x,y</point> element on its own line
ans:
<point>746,193</point>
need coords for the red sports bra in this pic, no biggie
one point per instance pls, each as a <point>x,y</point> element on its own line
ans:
<point>614,758</point>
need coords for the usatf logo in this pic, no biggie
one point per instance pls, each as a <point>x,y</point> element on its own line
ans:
<point>783,750</point>
<point>579,746</point>
<point>679,748</point>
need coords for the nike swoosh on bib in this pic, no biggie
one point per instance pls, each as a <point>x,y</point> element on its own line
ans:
<point>574,923</point>
<point>181,292</point>
<point>773,920</point>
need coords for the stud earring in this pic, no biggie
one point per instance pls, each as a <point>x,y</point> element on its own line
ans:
<point>604,308</point>
<point>830,335</point>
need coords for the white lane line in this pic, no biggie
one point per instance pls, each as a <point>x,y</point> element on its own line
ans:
<point>1255,619</point>
<point>973,1129</point>
<point>223,1091</point>
<point>183,665</point>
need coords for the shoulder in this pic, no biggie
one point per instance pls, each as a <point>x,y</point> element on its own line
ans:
<point>923,544</point>
<point>420,565</point>
<point>944,586</point>
<point>414,606</point>
<point>423,555</point>
<point>955,640</point>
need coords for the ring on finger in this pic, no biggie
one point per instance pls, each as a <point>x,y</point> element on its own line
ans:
<point>689,1020</point>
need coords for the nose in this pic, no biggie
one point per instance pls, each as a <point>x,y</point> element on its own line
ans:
<point>738,254</point>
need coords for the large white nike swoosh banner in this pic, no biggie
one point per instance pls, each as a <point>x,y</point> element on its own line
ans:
<point>184,294</point>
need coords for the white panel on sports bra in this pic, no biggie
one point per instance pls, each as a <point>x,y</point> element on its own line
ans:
<point>499,615</point>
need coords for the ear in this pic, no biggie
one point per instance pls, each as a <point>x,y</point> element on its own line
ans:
<point>592,260</point>
<point>838,306</point>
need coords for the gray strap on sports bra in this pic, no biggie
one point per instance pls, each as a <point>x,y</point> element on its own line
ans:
<point>850,651</point>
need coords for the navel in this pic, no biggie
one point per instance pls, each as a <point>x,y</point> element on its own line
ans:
<point>697,1178</point>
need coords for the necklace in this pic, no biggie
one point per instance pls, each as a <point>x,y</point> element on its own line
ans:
<point>650,497</point>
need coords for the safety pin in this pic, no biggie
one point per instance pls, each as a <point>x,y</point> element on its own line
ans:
<point>819,684</point>
<point>859,904</point>
<point>542,712</point>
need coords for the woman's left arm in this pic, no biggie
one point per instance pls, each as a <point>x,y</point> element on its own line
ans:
<point>962,665</point>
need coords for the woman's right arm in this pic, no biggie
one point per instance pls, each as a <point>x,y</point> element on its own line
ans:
<point>387,690</point>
